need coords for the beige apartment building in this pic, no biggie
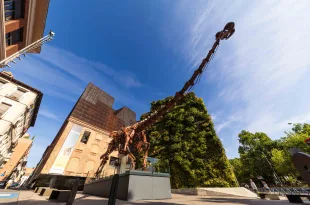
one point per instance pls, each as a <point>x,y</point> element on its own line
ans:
<point>19,107</point>
<point>83,138</point>
<point>14,168</point>
<point>22,22</point>
<point>25,175</point>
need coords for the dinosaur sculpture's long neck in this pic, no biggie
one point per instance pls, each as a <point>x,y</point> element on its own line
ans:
<point>153,118</point>
<point>226,33</point>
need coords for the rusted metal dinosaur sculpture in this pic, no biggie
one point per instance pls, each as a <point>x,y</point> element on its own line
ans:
<point>133,138</point>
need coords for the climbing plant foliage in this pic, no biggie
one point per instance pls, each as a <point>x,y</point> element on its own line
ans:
<point>185,141</point>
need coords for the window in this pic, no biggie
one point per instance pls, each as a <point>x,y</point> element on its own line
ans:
<point>2,164</point>
<point>73,165</point>
<point>85,137</point>
<point>4,107</point>
<point>17,94</point>
<point>90,167</point>
<point>8,38</point>
<point>14,9</point>
<point>14,37</point>
<point>2,83</point>
<point>98,137</point>
<point>9,9</point>
<point>94,149</point>
<point>114,161</point>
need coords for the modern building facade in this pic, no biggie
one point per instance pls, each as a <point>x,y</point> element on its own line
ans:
<point>22,22</point>
<point>19,106</point>
<point>84,137</point>
<point>14,168</point>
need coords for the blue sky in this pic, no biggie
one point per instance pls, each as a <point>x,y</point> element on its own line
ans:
<point>140,51</point>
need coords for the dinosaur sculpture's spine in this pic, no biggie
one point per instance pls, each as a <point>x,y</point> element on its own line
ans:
<point>226,33</point>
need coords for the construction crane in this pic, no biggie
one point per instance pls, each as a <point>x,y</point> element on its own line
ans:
<point>133,138</point>
<point>22,52</point>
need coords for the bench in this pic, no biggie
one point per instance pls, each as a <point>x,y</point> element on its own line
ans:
<point>59,195</point>
<point>39,189</point>
<point>293,198</point>
<point>46,192</point>
<point>269,196</point>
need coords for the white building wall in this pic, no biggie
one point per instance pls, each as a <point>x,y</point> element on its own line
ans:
<point>16,121</point>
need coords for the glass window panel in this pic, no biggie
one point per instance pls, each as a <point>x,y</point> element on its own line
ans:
<point>2,83</point>
<point>85,137</point>
<point>114,161</point>
<point>3,108</point>
<point>8,39</point>
<point>8,4</point>
<point>14,9</point>
<point>17,94</point>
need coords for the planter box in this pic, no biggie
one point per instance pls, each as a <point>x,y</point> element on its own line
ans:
<point>133,185</point>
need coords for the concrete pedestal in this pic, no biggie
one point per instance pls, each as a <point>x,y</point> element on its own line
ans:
<point>133,185</point>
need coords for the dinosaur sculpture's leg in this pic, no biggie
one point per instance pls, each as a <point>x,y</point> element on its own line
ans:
<point>147,144</point>
<point>128,136</point>
<point>104,158</point>
<point>133,160</point>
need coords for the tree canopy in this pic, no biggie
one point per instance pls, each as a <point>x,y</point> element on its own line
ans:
<point>185,140</point>
<point>271,159</point>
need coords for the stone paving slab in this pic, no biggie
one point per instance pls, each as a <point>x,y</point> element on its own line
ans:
<point>31,198</point>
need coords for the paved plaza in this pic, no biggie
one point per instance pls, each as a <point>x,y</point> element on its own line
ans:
<point>10,197</point>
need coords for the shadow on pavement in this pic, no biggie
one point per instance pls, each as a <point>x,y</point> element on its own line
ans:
<point>89,201</point>
<point>242,201</point>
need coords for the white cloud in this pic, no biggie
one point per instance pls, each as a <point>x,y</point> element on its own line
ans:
<point>65,75</point>
<point>127,79</point>
<point>220,125</point>
<point>61,95</point>
<point>262,72</point>
<point>85,69</point>
<point>48,114</point>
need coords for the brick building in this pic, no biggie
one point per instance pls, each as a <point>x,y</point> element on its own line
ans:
<point>22,22</point>
<point>83,138</point>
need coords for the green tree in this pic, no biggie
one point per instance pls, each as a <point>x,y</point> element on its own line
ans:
<point>238,169</point>
<point>186,141</point>
<point>282,162</point>
<point>281,157</point>
<point>261,156</point>
<point>255,153</point>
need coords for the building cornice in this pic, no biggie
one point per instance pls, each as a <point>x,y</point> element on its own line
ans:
<point>2,31</point>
